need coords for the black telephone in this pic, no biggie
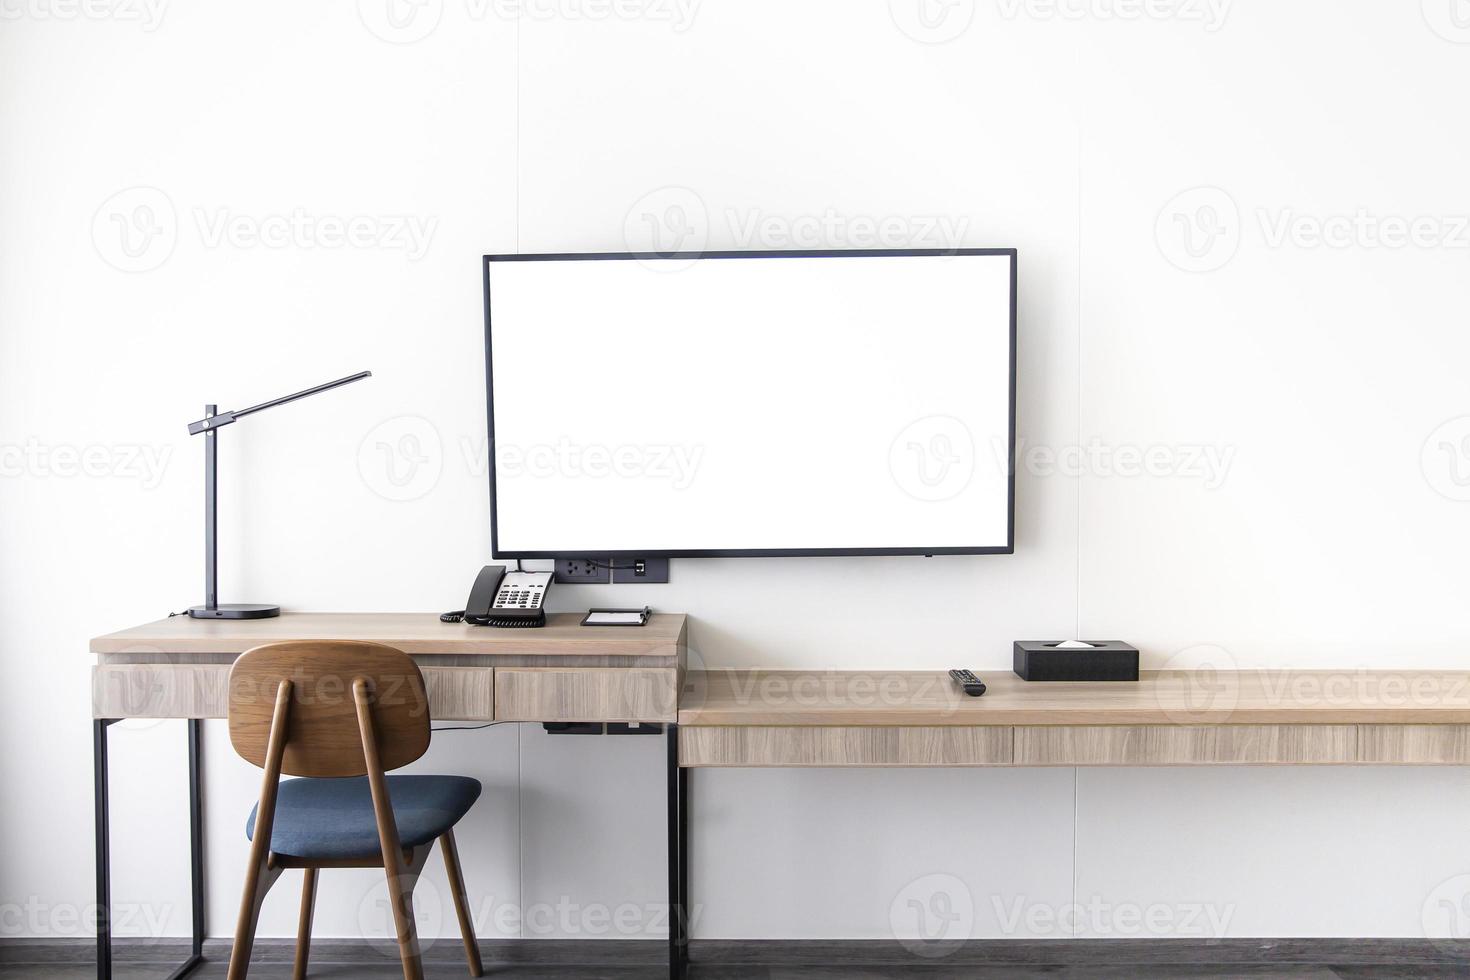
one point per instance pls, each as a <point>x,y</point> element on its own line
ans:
<point>506,599</point>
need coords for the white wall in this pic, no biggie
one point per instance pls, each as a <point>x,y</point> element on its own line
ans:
<point>1328,531</point>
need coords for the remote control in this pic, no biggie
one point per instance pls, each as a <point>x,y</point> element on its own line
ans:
<point>972,685</point>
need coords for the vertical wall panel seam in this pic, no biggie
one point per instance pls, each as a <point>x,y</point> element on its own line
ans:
<point>1077,594</point>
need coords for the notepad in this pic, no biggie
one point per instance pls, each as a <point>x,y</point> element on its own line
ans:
<point>616,617</point>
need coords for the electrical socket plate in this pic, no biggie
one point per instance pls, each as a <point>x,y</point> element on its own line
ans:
<point>581,571</point>
<point>601,728</point>
<point>651,571</point>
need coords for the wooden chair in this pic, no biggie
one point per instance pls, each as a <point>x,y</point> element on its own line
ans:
<point>341,714</point>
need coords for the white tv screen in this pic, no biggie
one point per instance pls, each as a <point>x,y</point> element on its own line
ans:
<point>734,404</point>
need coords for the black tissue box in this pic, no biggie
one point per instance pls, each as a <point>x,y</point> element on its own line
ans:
<point>1108,660</point>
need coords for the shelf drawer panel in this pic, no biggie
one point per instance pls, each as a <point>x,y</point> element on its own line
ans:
<point>840,746</point>
<point>586,694</point>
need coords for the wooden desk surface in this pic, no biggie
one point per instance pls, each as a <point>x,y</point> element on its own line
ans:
<point>414,633</point>
<point>1268,697</point>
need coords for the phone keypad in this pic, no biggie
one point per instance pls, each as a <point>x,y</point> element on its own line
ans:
<point>521,596</point>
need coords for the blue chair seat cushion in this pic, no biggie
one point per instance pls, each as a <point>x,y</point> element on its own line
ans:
<point>329,819</point>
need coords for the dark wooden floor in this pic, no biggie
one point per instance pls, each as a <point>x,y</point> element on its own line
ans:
<point>714,960</point>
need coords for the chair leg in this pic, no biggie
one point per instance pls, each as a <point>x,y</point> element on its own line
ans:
<point>461,903</point>
<point>400,897</point>
<point>258,881</point>
<point>303,927</point>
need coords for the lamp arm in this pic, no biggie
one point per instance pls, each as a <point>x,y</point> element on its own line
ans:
<point>220,419</point>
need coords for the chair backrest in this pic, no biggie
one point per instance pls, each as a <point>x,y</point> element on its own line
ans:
<point>322,692</point>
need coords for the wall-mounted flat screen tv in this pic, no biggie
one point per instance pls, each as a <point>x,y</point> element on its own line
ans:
<point>733,404</point>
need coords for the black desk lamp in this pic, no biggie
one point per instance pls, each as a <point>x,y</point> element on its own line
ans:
<point>212,608</point>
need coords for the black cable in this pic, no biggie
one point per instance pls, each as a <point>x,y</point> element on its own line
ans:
<point>602,564</point>
<point>464,728</point>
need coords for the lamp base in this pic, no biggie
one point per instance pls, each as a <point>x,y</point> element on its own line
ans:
<point>235,610</point>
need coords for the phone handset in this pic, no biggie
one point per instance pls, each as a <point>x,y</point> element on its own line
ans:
<point>506,599</point>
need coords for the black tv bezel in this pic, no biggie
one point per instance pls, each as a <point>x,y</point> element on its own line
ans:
<point>496,552</point>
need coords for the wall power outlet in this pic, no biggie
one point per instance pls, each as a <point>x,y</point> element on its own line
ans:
<point>600,571</point>
<point>648,570</point>
<point>581,571</point>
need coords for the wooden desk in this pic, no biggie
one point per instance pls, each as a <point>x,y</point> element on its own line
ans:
<point>747,718</point>
<point>762,719</point>
<point>564,672</point>
<point>179,667</point>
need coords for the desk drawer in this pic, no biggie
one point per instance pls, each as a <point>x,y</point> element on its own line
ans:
<point>460,693</point>
<point>1186,745</point>
<point>203,691</point>
<point>841,746</point>
<point>585,694</point>
<point>160,691</point>
<point>1414,745</point>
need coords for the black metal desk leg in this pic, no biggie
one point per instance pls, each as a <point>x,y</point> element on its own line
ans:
<point>196,844</point>
<point>678,820</point>
<point>104,859</point>
<point>683,898</point>
<point>103,849</point>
